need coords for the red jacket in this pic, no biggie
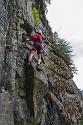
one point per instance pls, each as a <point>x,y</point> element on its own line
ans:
<point>35,38</point>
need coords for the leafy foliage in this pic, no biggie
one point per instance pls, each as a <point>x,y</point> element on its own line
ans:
<point>66,51</point>
<point>36,14</point>
<point>32,121</point>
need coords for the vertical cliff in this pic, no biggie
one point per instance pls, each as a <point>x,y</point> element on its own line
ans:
<point>50,96</point>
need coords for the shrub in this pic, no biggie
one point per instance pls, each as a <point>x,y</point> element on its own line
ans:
<point>36,14</point>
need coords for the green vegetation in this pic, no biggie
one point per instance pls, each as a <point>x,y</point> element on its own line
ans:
<point>66,51</point>
<point>32,121</point>
<point>81,120</point>
<point>36,14</point>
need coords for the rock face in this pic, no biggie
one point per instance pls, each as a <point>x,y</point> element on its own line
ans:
<point>50,96</point>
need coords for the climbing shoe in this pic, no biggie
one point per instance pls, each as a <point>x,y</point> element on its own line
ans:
<point>38,67</point>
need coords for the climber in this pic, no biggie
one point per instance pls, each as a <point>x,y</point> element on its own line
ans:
<point>37,46</point>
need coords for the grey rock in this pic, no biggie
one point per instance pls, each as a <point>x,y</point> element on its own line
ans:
<point>50,96</point>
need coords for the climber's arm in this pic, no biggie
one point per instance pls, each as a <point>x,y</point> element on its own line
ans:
<point>33,38</point>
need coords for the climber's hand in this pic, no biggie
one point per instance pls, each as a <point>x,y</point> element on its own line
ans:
<point>27,39</point>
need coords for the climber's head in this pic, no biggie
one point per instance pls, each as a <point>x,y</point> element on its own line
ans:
<point>39,32</point>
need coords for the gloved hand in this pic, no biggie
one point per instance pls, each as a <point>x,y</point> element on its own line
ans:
<point>27,39</point>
